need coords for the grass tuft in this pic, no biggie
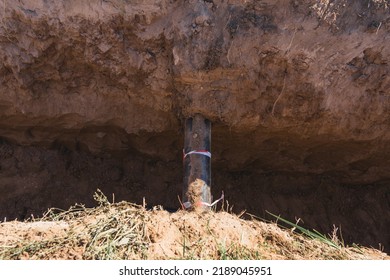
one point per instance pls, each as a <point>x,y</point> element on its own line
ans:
<point>312,234</point>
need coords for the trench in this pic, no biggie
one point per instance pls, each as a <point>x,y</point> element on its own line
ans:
<point>93,96</point>
<point>60,174</point>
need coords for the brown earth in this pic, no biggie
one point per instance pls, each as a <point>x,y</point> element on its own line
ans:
<point>126,231</point>
<point>94,94</point>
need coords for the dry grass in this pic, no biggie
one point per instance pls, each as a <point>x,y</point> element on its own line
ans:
<point>127,231</point>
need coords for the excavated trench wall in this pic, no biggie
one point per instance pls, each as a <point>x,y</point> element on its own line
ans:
<point>93,94</point>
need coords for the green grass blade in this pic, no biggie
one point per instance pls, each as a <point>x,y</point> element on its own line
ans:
<point>312,234</point>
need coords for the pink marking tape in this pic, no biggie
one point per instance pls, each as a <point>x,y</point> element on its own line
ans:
<point>197,152</point>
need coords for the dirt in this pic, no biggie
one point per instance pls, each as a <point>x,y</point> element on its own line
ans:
<point>125,231</point>
<point>94,95</point>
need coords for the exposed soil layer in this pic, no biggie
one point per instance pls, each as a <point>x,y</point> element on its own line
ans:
<point>94,93</point>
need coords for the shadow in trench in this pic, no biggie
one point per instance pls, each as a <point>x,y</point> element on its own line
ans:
<point>34,179</point>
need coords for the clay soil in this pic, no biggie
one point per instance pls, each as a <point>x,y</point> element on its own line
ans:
<point>94,94</point>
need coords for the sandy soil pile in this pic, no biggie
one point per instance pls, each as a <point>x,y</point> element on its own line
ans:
<point>128,231</point>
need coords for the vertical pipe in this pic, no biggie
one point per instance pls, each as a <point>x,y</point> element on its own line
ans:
<point>197,162</point>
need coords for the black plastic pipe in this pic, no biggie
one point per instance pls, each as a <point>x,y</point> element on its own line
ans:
<point>197,163</point>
